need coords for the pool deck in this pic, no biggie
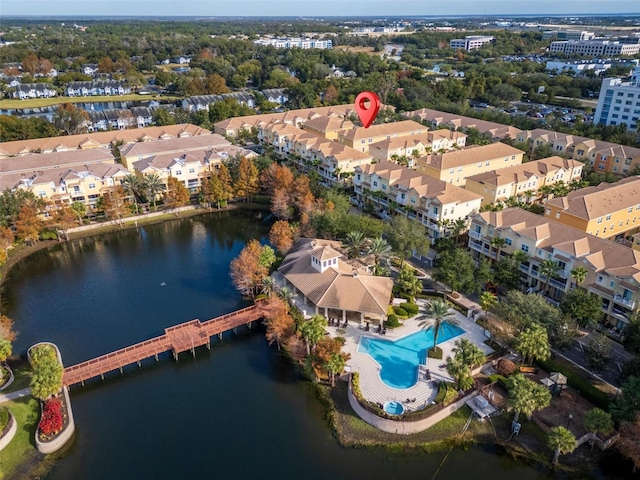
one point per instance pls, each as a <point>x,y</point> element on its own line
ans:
<point>424,391</point>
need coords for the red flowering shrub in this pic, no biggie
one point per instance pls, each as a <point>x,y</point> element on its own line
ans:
<point>51,421</point>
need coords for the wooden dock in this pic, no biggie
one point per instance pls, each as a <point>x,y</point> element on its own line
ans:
<point>177,339</point>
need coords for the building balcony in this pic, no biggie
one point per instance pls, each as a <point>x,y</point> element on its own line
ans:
<point>357,188</point>
<point>475,246</point>
<point>475,235</point>
<point>433,216</point>
<point>558,284</point>
<point>627,302</point>
<point>524,269</point>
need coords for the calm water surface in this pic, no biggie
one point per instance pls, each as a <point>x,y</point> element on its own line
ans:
<point>235,412</point>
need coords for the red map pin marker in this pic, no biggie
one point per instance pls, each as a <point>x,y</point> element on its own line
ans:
<point>367,114</point>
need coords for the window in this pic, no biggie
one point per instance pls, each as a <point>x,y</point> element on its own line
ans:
<point>459,169</point>
<point>548,211</point>
<point>608,217</point>
<point>612,284</point>
<point>600,220</point>
<point>487,164</point>
<point>375,184</point>
<point>630,210</point>
<point>524,248</point>
<point>76,189</point>
<point>192,170</point>
<point>600,279</point>
<point>384,186</point>
<point>507,241</point>
<point>42,194</point>
<point>178,172</point>
<point>452,170</point>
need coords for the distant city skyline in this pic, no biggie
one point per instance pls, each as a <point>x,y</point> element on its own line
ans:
<point>326,8</point>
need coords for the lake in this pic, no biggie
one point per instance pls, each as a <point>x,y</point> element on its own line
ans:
<point>238,411</point>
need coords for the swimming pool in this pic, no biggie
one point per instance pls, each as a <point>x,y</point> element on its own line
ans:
<point>399,360</point>
<point>394,408</point>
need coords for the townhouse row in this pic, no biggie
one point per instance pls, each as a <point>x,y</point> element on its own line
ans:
<point>66,173</point>
<point>613,270</point>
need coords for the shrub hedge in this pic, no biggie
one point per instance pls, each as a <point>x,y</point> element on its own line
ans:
<point>411,308</point>
<point>392,321</point>
<point>401,312</point>
<point>4,418</point>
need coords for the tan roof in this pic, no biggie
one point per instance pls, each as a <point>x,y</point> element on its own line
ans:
<point>496,130</point>
<point>328,124</point>
<point>90,140</point>
<point>406,127</point>
<point>524,171</point>
<point>595,202</point>
<point>42,161</point>
<point>336,288</point>
<point>469,156</point>
<point>173,144</point>
<point>599,253</point>
<point>427,187</point>
<point>56,176</point>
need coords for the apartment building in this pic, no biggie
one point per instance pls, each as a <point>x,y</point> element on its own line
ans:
<point>360,138</point>
<point>595,47</point>
<point>600,155</point>
<point>87,141</point>
<point>613,269</point>
<point>439,120</point>
<point>303,43</point>
<point>471,42</point>
<point>619,102</point>
<point>328,126</point>
<point>523,181</point>
<point>65,177</point>
<point>390,187</point>
<point>454,167</point>
<point>609,210</point>
<point>310,151</point>
<point>413,146</point>
<point>568,35</point>
<point>232,126</point>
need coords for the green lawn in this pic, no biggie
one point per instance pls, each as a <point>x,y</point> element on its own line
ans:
<point>22,449</point>
<point>47,102</point>
<point>22,373</point>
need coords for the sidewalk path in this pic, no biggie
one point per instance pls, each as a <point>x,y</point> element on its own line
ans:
<point>7,397</point>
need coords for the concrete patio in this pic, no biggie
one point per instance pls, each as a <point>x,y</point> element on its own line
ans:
<point>424,391</point>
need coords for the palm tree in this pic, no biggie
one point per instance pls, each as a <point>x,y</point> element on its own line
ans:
<point>561,440</point>
<point>132,186</point>
<point>498,243</point>
<point>598,421</point>
<point>153,186</point>
<point>520,257</point>
<point>438,309</point>
<point>579,274</point>
<point>286,294</point>
<point>335,365</point>
<point>468,353</point>
<point>533,343</point>
<point>487,301</point>
<point>549,269</point>
<point>526,396</point>
<point>380,249</point>
<point>267,286</point>
<point>460,372</point>
<point>458,227</point>
<point>355,243</point>
<point>312,331</point>
<point>529,194</point>
<point>545,191</point>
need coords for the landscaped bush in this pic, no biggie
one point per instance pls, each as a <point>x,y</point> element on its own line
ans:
<point>447,393</point>
<point>4,418</point>
<point>435,353</point>
<point>48,235</point>
<point>407,297</point>
<point>47,372</point>
<point>442,391</point>
<point>505,367</point>
<point>392,321</point>
<point>587,389</point>
<point>411,308</point>
<point>401,312</point>
<point>51,421</point>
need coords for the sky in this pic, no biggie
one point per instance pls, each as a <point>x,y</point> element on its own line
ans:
<point>313,8</point>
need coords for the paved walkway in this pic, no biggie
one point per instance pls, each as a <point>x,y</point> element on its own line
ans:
<point>7,397</point>
<point>424,391</point>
